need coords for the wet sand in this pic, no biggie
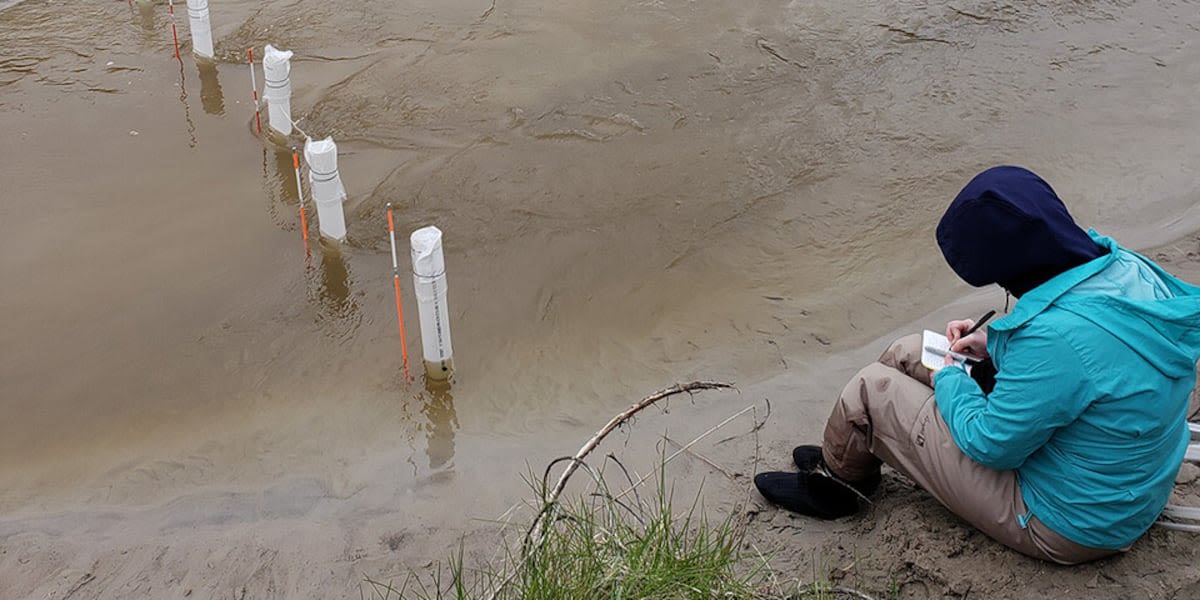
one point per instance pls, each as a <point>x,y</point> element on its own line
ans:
<point>632,195</point>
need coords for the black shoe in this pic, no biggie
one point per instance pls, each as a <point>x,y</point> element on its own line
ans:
<point>808,458</point>
<point>811,458</point>
<point>808,493</point>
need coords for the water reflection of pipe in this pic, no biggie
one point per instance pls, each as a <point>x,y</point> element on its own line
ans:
<point>288,194</point>
<point>146,16</point>
<point>333,291</point>
<point>329,291</point>
<point>443,421</point>
<point>279,186</point>
<point>211,97</point>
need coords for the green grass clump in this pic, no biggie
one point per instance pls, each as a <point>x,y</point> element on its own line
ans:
<point>618,553</point>
<point>604,547</point>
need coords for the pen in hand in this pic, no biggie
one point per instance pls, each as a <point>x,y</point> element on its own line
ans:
<point>978,324</point>
<point>955,339</point>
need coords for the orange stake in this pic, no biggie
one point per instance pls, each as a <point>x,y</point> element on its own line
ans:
<point>396,285</point>
<point>300,197</point>
<point>254,89</point>
<point>174,33</point>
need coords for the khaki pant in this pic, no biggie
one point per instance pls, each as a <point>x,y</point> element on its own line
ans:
<point>887,413</point>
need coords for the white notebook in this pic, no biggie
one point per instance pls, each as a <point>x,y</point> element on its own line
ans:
<point>935,348</point>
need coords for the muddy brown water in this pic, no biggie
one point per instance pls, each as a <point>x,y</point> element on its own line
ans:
<point>632,194</point>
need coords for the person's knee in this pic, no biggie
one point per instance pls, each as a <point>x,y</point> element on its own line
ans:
<point>870,380</point>
<point>904,349</point>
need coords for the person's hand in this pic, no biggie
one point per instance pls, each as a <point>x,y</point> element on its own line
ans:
<point>933,375</point>
<point>946,362</point>
<point>973,345</point>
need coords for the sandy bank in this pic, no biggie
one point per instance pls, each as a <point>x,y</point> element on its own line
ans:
<point>300,539</point>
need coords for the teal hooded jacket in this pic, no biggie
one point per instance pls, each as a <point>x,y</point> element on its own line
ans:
<point>1096,366</point>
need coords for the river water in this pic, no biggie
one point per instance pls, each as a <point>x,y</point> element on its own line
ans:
<point>632,194</point>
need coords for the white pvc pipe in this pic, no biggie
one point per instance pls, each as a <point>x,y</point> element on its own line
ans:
<point>1193,453</point>
<point>1173,512</point>
<point>326,186</point>
<point>202,44</point>
<point>277,90</point>
<point>1176,511</point>
<point>429,286</point>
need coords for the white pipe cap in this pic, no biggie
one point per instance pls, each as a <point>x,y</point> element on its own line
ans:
<point>321,156</point>
<point>276,63</point>
<point>427,257</point>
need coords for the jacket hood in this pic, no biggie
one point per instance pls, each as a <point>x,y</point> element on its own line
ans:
<point>1007,226</point>
<point>1163,327</point>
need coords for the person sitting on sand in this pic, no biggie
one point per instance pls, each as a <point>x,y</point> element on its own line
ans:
<point>1072,451</point>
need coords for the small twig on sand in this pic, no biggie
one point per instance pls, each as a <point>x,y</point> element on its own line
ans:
<point>701,457</point>
<point>850,592</point>
<point>757,448</point>
<point>487,13</point>
<point>685,447</point>
<point>86,579</point>
<point>757,424</point>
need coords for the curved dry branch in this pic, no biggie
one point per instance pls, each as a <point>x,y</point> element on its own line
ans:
<point>536,533</point>
<point>615,422</point>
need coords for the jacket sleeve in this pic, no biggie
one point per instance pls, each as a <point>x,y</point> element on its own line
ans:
<point>1042,385</point>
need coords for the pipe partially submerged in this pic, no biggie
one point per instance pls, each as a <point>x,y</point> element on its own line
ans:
<point>326,186</point>
<point>429,287</point>
<point>277,90</point>
<point>202,44</point>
